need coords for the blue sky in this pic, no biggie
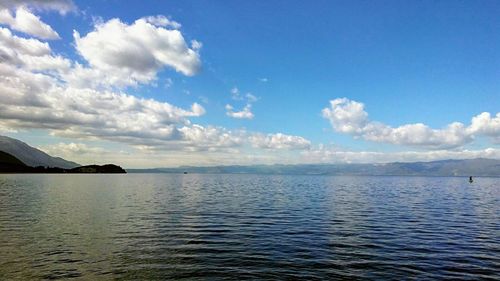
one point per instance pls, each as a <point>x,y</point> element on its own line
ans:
<point>403,62</point>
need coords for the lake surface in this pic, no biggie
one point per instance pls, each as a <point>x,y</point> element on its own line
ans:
<point>161,226</point>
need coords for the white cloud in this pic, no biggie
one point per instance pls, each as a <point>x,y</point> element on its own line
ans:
<point>42,90</point>
<point>136,52</point>
<point>71,149</point>
<point>25,21</point>
<point>62,6</point>
<point>36,93</point>
<point>96,153</point>
<point>36,100</point>
<point>235,94</point>
<point>279,141</point>
<point>349,117</point>
<point>210,138</point>
<point>169,83</point>
<point>156,156</point>
<point>31,54</point>
<point>484,124</point>
<point>251,98</point>
<point>196,45</point>
<point>245,113</point>
<point>346,116</point>
<point>161,20</point>
<point>14,44</point>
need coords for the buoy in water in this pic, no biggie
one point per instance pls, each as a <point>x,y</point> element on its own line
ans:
<point>471,180</point>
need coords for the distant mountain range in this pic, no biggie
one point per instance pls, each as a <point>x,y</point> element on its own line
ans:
<point>31,156</point>
<point>16,151</point>
<point>467,167</point>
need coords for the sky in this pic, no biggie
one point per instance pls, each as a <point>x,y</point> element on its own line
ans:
<point>171,83</point>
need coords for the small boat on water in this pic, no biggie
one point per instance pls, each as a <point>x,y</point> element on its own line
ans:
<point>471,180</point>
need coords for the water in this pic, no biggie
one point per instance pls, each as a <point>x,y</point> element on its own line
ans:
<point>156,226</point>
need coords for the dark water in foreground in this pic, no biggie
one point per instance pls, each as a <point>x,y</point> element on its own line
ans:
<point>155,226</point>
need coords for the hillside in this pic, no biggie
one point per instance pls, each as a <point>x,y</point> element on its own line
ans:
<point>32,156</point>
<point>18,157</point>
<point>8,159</point>
<point>10,164</point>
<point>98,169</point>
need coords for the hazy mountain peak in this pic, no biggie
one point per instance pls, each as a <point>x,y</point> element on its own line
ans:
<point>32,156</point>
<point>452,167</point>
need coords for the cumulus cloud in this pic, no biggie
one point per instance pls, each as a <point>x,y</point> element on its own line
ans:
<point>62,6</point>
<point>25,21</point>
<point>210,138</point>
<point>245,113</point>
<point>86,112</point>
<point>486,125</point>
<point>135,53</point>
<point>118,117</point>
<point>39,89</point>
<point>35,94</point>
<point>71,149</point>
<point>349,117</point>
<point>17,45</point>
<point>279,141</point>
<point>161,20</point>
<point>30,54</point>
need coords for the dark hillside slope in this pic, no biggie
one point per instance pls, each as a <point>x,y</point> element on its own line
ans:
<point>32,156</point>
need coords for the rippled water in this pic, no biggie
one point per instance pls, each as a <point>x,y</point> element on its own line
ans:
<point>157,226</point>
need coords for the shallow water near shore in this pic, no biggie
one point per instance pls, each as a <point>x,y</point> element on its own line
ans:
<point>168,226</point>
